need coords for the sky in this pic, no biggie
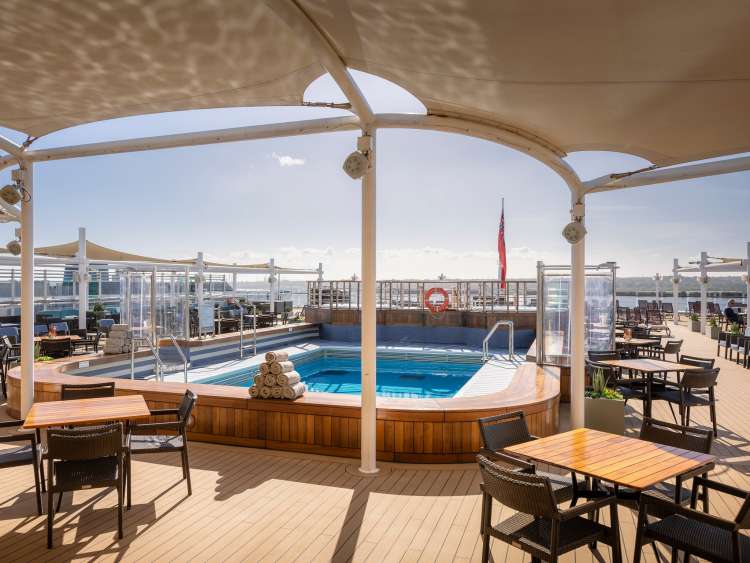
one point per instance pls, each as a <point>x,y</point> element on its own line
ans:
<point>438,198</point>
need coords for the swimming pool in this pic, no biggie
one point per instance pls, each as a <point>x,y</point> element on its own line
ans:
<point>399,374</point>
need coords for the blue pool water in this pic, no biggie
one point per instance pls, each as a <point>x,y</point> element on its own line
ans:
<point>406,375</point>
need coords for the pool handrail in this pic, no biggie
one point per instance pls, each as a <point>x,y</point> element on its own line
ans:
<point>486,341</point>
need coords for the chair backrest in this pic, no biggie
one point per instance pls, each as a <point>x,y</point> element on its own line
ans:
<point>186,406</point>
<point>706,363</point>
<point>10,331</point>
<point>672,346</point>
<point>703,379</point>
<point>41,330</point>
<point>85,443</point>
<point>668,434</point>
<point>523,492</point>
<point>504,430</point>
<point>601,355</point>
<point>640,332</point>
<point>105,323</point>
<point>60,328</point>
<point>48,347</point>
<point>667,308</point>
<point>69,392</point>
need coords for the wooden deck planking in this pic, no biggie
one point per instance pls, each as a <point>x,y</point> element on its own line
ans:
<point>262,505</point>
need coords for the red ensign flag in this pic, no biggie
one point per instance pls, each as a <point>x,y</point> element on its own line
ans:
<point>501,246</point>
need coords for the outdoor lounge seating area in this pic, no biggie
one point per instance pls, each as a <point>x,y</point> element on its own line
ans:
<point>324,510</point>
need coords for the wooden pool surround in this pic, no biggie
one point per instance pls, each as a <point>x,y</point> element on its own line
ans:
<point>408,430</point>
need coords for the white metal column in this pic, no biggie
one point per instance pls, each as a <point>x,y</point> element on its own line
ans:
<point>675,289</point>
<point>747,285</point>
<point>577,319</point>
<point>704,286</point>
<point>320,282</point>
<point>83,279</point>
<point>199,282</point>
<point>27,292</point>
<point>657,281</point>
<point>369,319</point>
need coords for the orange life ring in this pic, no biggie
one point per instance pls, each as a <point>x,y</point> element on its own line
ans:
<point>439,307</point>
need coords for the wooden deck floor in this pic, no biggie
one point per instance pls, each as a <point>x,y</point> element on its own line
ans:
<point>256,505</point>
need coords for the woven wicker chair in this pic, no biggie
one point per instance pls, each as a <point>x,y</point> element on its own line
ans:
<point>84,458</point>
<point>705,363</point>
<point>28,452</point>
<point>504,430</point>
<point>692,531</point>
<point>143,440</point>
<point>695,389</point>
<point>70,392</point>
<point>540,527</point>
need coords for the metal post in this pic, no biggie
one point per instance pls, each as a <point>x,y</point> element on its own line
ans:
<point>154,334</point>
<point>199,281</point>
<point>45,288</point>
<point>186,320</point>
<point>83,284</point>
<point>13,284</point>
<point>704,285</point>
<point>255,331</point>
<point>577,319</point>
<point>27,291</point>
<point>320,284</point>
<point>675,291</point>
<point>539,313</point>
<point>368,441</point>
<point>242,330</point>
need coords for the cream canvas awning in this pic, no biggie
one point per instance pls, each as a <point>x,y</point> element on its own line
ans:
<point>667,80</point>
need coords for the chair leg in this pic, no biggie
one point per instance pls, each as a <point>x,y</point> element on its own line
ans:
<point>671,408</point>
<point>50,513</point>
<point>129,478</point>
<point>615,525</point>
<point>59,502</point>
<point>119,510</point>
<point>186,468</point>
<point>712,410</point>
<point>38,487</point>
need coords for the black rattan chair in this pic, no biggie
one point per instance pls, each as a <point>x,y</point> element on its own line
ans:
<point>11,354</point>
<point>694,532</point>
<point>504,430</point>
<point>70,391</point>
<point>695,389</point>
<point>143,440</point>
<point>705,363</point>
<point>58,348</point>
<point>85,458</point>
<point>28,453</point>
<point>540,527</point>
<point>87,341</point>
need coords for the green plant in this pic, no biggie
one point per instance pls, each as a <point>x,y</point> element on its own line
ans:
<point>599,389</point>
<point>98,308</point>
<point>735,329</point>
<point>713,323</point>
<point>694,317</point>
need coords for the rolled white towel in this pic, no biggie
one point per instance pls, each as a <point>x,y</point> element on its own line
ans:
<point>288,378</point>
<point>281,367</point>
<point>277,392</point>
<point>277,356</point>
<point>265,392</point>
<point>254,392</point>
<point>269,380</point>
<point>265,368</point>
<point>259,379</point>
<point>293,391</point>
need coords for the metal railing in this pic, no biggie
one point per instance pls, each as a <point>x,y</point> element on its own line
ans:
<point>486,341</point>
<point>463,295</point>
<point>242,331</point>
<point>158,364</point>
<point>182,356</point>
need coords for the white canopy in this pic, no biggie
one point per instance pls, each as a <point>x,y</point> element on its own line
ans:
<point>665,80</point>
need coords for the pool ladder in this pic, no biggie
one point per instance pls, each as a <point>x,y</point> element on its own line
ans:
<point>486,341</point>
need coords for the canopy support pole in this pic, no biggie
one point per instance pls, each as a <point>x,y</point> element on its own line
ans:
<point>83,284</point>
<point>27,291</point>
<point>320,281</point>
<point>369,318</point>
<point>747,286</point>
<point>675,290</point>
<point>577,318</point>
<point>704,286</point>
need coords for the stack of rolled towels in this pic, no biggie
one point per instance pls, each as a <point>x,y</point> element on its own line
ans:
<point>277,379</point>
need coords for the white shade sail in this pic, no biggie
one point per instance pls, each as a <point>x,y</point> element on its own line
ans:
<point>665,80</point>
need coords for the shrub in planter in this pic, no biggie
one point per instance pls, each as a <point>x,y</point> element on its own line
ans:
<point>604,408</point>
<point>695,322</point>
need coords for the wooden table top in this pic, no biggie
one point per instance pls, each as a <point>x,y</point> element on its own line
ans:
<point>637,341</point>
<point>624,461</point>
<point>648,365</point>
<point>60,337</point>
<point>86,411</point>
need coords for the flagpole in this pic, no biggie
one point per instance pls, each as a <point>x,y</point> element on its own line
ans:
<point>499,263</point>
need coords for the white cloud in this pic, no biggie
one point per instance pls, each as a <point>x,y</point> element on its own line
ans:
<point>288,160</point>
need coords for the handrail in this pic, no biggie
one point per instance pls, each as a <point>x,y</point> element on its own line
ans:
<point>159,363</point>
<point>182,355</point>
<point>486,341</point>
<point>242,331</point>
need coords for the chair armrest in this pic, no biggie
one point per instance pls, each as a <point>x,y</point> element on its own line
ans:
<point>523,466</point>
<point>20,437</point>
<point>10,423</point>
<point>721,487</point>
<point>134,428</point>
<point>669,507</point>
<point>696,472</point>
<point>161,412</point>
<point>587,507</point>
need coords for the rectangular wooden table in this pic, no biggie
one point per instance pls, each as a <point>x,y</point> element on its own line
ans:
<point>620,460</point>
<point>86,411</point>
